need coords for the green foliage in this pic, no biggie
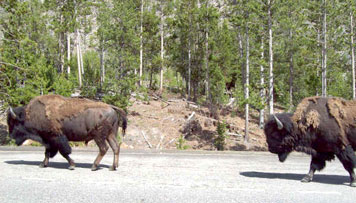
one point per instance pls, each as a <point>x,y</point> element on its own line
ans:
<point>91,83</point>
<point>63,86</point>
<point>207,41</point>
<point>217,87</point>
<point>118,93</point>
<point>220,142</point>
<point>181,143</point>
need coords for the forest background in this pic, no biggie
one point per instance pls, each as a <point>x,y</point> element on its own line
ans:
<point>254,53</point>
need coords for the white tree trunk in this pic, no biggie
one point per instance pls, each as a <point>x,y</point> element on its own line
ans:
<point>270,92</point>
<point>241,56</point>
<point>102,66</point>
<point>162,49</point>
<point>189,70</point>
<point>68,53</point>
<point>291,73</point>
<point>207,77</point>
<point>79,63</point>
<point>247,93</point>
<point>262,83</point>
<point>80,54</point>
<point>141,45</point>
<point>352,55</point>
<point>324,57</point>
<point>62,54</point>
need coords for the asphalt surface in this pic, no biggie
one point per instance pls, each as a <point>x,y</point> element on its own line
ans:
<point>168,176</point>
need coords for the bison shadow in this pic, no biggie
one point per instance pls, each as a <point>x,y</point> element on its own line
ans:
<point>318,178</point>
<point>59,165</point>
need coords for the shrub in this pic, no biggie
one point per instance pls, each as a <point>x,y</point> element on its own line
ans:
<point>219,142</point>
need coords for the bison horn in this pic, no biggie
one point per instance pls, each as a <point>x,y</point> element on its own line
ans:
<point>279,123</point>
<point>13,114</point>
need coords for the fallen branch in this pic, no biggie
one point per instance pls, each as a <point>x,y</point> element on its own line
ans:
<point>234,134</point>
<point>190,117</point>
<point>172,140</point>
<point>144,136</point>
<point>160,142</point>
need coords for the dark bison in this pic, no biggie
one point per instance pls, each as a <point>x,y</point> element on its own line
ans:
<point>54,120</point>
<point>322,127</point>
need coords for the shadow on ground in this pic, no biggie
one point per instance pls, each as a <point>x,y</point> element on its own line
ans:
<point>325,179</point>
<point>61,165</point>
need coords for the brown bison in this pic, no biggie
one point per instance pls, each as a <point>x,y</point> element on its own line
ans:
<point>322,127</point>
<point>54,120</point>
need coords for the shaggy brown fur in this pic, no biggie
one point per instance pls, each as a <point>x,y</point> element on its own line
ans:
<point>343,111</point>
<point>58,108</point>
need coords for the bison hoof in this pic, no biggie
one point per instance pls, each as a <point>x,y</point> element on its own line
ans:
<point>353,184</point>
<point>94,168</point>
<point>42,165</point>
<point>112,168</point>
<point>307,179</point>
<point>71,167</point>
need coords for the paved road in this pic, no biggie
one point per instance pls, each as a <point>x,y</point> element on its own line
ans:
<point>169,176</point>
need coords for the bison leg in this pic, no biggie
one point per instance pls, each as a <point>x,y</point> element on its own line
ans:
<point>46,159</point>
<point>103,148</point>
<point>70,161</point>
<point>50,152</point>
<point>116,149</point>
<point>65,149</point>
<point>316,164</point>
<point>348,160</point>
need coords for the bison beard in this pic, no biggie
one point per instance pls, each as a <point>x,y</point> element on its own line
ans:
<point>321,127</point>
<point>54,120</point>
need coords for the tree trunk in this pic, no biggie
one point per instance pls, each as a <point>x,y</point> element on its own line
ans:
<point>324,57</point>
<point>141,45</point>
<point>318,60</point>
<point>102,67</point>
<point>247,86</point>
<point>78,60</point>
<point>189,69</point>
<point>61,50</point>
<point>162,50</point>
<point>270,92</point>
<point>241,56</point>
<point>68,53</point>
<point>80,54</point>
<point>207,76</point>
<point>352,55</point>
<point>291,73</point>
<point>262,83</point>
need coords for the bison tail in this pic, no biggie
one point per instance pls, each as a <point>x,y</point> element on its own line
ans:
<point>124,124</point>
<point>123,116</point>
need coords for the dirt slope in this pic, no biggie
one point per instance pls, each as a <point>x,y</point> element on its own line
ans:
<point>158,124</point>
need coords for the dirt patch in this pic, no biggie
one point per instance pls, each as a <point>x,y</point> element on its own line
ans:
<point>159,124</point>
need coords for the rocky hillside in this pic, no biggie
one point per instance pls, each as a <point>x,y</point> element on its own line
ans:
<point>163,123</point>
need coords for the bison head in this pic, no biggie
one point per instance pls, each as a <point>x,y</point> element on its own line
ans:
<point>279,131</point>
<point>15,122</point>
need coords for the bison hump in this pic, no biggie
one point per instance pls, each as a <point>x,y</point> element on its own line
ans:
<point>50,110</point>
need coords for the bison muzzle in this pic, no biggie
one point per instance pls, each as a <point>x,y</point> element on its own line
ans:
<point>322,127</point>
<point>54,120</point>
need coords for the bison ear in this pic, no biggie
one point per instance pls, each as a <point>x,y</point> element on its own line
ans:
<point>279,123</point>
